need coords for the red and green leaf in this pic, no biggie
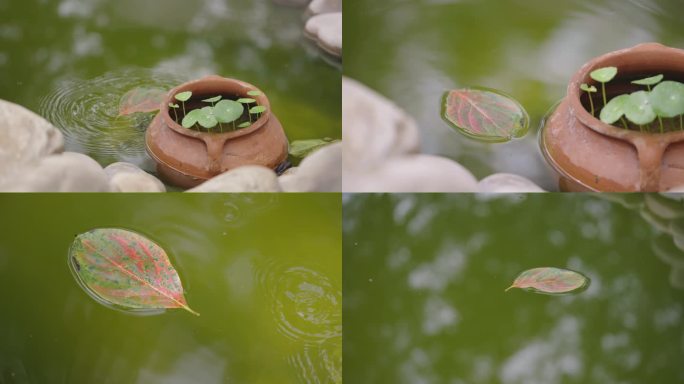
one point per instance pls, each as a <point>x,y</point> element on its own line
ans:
<point>485,114</point>
<point>141,99</point>
<point>126,270</point>
<point>550,280</point>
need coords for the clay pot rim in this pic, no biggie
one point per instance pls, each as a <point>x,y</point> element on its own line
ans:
<point>547,155</point>
<point>229,82</point>
<point>608,59</point>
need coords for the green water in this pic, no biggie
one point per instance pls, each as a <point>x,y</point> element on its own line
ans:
<point>412,51</point>
<point>424,280</point>
<point>72,60</point>
<point>264,271</point>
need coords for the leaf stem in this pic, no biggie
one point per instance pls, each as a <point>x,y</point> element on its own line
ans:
<point>660,121</point>
<point>591,102</point>
<point>603,90</point>
<point>624,123</point>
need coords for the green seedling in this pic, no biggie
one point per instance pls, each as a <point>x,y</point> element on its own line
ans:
<point>228,111</point>
<point>604,75</point>
<point>614,110</point>
<point>259,109</point>
<point>190,119</point>
<point>174,107</point>
<point>667,99</point>
<point>589,90</point>
<point>648,82</point>
<point>206,118</point>
<point>183,97</point>
<point>247,101</point>
<point>213,101</point>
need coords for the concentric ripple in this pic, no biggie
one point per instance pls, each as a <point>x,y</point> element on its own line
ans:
<point>87,112</point>
<point>319,364</point>
<point>307,307</point>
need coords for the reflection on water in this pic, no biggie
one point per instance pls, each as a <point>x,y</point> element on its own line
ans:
<point>87,112</point>
<point>430,271</point>
<point>286,329</point>
<point>526,48</point>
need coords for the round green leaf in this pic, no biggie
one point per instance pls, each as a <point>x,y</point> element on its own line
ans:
<point>254,93</point>
<point>257,109</point>
<point>227,111</point>
<point>587,88</point>
<point>213,99</point>
<point>614,110</point>
<point>485,114</point>
<point>206,117</point>
<point>667,99</point>
<point>649,80</point>
<point>172,105</point>
<point>604,75</point>
<point>245,124</point>
<point>246,100</point>
<point>183,96</point>
<point>190,118</point>
<point>638,108</point>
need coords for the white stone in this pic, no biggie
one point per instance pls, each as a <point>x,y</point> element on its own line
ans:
<point>25,137</point>
<point>127,177</point>
<point>250,178</point>
<point>326,30</point>
<point>507,183</point>
<point>318,7</point>
<point>65,172</point>
<point>321,171</point>
<point>373,128</point>
<point>413,173</point>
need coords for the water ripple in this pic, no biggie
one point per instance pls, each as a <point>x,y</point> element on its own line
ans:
<point>306,306</point>
<point>87,112</point>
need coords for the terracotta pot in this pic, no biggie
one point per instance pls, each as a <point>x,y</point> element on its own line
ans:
<point>186,157</point>
<point>590,155</point>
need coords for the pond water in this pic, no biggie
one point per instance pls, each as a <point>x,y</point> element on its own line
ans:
<point>424,281</point>
<point>73,60</point>
<point>264,272</point>
<point>412,51</point>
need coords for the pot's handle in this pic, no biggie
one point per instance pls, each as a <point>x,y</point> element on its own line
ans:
<point>650,154</point>
<point>215,151</point>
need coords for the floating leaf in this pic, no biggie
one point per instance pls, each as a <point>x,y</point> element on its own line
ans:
<point>604,75</point>
<point>614,110</point>
<point>125,270</point>
<point>550,280</point>
<point>191,118</point>
<point>246,100</point>
<point>254,93</point>
<point>227,111</point>
<point>183,96</point>
<point>302,148</point>
<point>206,117</point>
<point>213,99</point>
<point>667,99</point>
<point>245,124</point>
<point>587,88</point>
<point>485,114</point>
<point>141,100</point>
<point>638,108</point>
<point>257,109</point>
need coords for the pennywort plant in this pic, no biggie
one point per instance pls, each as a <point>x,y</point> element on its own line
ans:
<point>239,113</point>
<point>661,101</point>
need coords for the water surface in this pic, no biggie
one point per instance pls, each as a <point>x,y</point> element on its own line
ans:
<point>264,271</point>
<point>424,281</point>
